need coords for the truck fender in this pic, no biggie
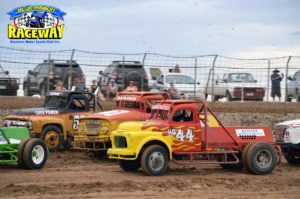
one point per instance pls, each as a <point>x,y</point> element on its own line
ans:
<point>154,140</point>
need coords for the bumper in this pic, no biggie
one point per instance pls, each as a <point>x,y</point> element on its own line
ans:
<point>121,154</point>
<point>91,143</point>
<point>288,147</point>
<point>249,93</point>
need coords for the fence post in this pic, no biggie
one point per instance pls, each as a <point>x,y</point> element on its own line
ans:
<point>143,78</point>
<point>268,82</point>
<point>213,79</point>
<point>123,78</point>
<point>286,75</point>
<point>70,70</point>
<point>195,77</point>
<point>48,80</point>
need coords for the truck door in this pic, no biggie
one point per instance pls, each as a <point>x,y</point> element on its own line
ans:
<point>185,129</point>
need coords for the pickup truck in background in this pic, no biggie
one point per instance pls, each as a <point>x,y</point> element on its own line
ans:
<point>293,90</point>
<point>235,86</point>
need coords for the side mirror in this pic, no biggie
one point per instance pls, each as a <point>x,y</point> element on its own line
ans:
<point>290,78</point>
<point>198,83</point>
<point>6,72</point>
<point>255,81</point>
<point>159,82</point>
<point>225,80</point>
<point>100,72</point>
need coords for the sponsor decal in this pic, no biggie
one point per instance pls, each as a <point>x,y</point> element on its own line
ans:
<point>46,112</point>
<point>36,24</point>
<point>250,132</point>
<point>126,98</point>
<point>161,107</point>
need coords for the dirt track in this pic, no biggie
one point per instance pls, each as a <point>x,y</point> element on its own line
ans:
<point>71,174</point>
<point>74,175</point>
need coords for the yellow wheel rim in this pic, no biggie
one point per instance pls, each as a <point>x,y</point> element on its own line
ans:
<point>52,139</point>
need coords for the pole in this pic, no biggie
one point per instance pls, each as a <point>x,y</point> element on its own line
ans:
<point>268,83</point>
<point>286,87</point>
<point>70,70</point>
<point>213,79</point>
<point>143,78</point>
<point>195,77</point>
<point>48,80</point>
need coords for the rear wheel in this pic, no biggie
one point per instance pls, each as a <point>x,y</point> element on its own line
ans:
<point>130,165</point>
<point>244,155</point>
<point>53,137</point>
<point>26,90</point>
<point>261,158</point>
<point>228,96</point>
<point>35,154</point>
<point>154,160</point>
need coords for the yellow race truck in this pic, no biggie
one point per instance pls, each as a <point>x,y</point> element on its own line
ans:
<point>57,120</point>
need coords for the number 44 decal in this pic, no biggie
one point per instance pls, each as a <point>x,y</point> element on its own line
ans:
<point>181,136</point>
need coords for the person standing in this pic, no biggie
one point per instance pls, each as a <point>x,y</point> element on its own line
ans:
<point>113,89</point>
<point>276,79</point>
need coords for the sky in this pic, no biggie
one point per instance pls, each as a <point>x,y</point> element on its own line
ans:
<point>234,28</point>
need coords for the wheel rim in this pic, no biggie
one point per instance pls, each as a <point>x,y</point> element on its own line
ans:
<point>52,139</point>
<point>156,161</point>
<point>263,159</point>
<point>38,154</point>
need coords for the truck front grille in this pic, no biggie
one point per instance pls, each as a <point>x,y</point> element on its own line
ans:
<point>120,142</point>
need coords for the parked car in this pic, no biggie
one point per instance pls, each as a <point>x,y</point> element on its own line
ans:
<point>293,90</point>
<point>184,84</point>
<point>123,72</point>
<point>234,86</point>
<point>44,76</point>
<point>8,85</point>
<point>287,135</point>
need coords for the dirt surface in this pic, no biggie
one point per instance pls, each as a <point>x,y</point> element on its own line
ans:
<point>74,175</point>
<point>71,174</point>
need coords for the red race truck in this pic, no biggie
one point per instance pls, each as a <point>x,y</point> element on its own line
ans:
<point>188,132</point>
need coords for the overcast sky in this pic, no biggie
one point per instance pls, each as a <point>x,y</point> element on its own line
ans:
<point>242,29</point>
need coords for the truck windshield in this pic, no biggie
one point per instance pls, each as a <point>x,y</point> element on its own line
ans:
<point>56,102</point>
<point>179,79</point>
<point>130,104</point>
<point>240,77</point>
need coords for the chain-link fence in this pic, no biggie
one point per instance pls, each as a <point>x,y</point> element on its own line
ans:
<point>214,77</point>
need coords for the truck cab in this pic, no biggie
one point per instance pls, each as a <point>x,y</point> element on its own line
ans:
<point>184,131</point>
<point>57,119</point>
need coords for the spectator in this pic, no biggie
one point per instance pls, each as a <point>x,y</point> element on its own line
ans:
<point>155,88</point>
<point>59,86</point>
<point>131,87</point>
<point>276,79</point>
<point>113,89</point>
<point>176,69</point>
<point>78,84</point>
<point>93,87</point>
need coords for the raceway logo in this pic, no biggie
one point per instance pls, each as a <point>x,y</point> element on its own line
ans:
<point>36,22</point>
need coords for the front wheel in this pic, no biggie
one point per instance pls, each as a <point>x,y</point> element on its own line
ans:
<point>261,158</point>
<point>35,154</point>
<point>53,137</point>
<point>292,159</point>
<point>130,165</point>
<point>154,160</point>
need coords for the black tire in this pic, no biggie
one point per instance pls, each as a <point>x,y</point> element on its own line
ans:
<point>26,90</point>
<point>261,158</point>
<point>35,154</point>
<point>53,137</point>
<point>292,159</point>
<point>97,155</point>
<point>20,153</point>
<point>228,96</point>
<point>130,165</point>
<point>216,98</point>
<point>288,99</point>
<point>154,154</point>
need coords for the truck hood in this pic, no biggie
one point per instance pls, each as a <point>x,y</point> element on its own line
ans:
<point>290,123</point>
<point>35,111</point>
<point>119,115</point>
<point>149,125</point>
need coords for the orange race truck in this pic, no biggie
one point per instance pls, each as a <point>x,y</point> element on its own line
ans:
<point>94,130</point>
<point>57,119</point>
<point>188,132</point>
